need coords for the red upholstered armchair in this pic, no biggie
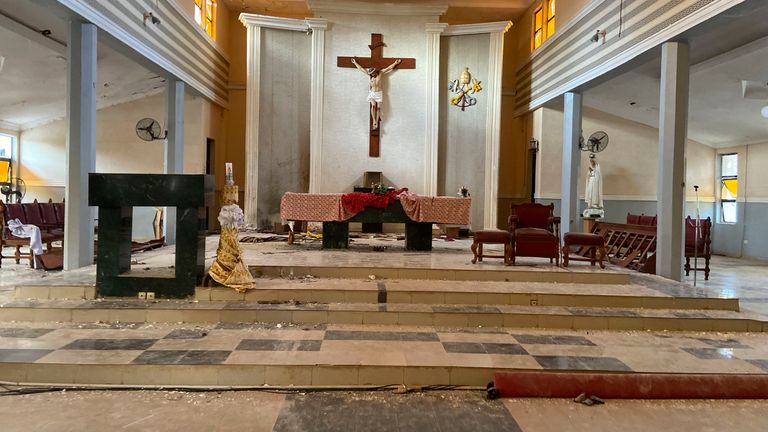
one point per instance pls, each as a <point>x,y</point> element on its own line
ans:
<point>535,231</point>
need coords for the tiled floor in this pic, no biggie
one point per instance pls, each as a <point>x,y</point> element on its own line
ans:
<point>172,411</point>
<point>347,345</point>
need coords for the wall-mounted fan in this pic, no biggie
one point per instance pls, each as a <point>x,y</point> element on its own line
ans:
<point>149,129</point>
<point>596,143</point>
<point>14,190</point>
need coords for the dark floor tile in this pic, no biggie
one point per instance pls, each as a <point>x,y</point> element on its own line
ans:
<point>464,347</point>
<point>710,353</point>
<point>159,357</point>
<point>187,334</point>
<point>552,340</point>
<point>685,314</point>
<point>278,345</point>
<point>558,362</point>
<point>604,364</point>
<point>22,355</point>
<point>381,336</point>
<point>504,348</point>
<point>762,364</point>
<point>483,348</point>
<point>728,343</point>
<point>110,344</point>
<point>466,309</point>
<point>582,363</point>
<point>23,332</point>
<point>203,357</point>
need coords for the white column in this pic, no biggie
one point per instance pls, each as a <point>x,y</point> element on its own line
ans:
<point>81,144</point>
<point>174,146</point>
<point>673,133</point>
<point>493,127</point>
<point>253,59</point>
<point>433,107</point>
<point>569,196</point>
<point>318,27</point>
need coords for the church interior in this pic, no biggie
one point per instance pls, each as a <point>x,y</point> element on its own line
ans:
<point>399,215</point>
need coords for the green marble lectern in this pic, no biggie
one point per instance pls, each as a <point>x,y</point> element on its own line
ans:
<point>115,195</point>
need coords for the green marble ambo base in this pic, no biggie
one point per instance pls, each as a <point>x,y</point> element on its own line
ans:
<point>116,195</point>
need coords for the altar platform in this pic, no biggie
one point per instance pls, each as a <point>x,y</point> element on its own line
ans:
<point>371,315</point>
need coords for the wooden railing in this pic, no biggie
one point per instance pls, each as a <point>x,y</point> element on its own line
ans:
<point>630,246</point>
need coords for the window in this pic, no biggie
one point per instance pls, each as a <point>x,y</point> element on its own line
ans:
<point>543,23</point>
<point>729,187</point>
<point>205,16</point>
<point>6,154</point>
<point>551,18</point>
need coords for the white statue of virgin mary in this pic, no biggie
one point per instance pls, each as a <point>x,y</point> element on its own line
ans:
<point>593,193</point>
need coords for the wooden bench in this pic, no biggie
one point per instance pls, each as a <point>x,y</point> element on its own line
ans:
<point>48,216</point>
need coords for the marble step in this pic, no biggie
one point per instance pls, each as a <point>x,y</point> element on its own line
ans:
<point>432,292</point>
<point>327,355</point>
<point>482,272</point>
<point>460,316</point>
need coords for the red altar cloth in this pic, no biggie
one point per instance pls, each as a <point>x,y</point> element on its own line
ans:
<point>419,208</point>
<point>356,202</point>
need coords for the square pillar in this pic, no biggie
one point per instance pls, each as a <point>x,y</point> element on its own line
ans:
<point>569,190</point>
<point>81,144</point>
<point>673,134</point>
<point>318,27</point>
<point>174,147</point>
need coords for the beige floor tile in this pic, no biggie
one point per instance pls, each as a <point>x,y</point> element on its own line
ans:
<point>426,375</point>
<point>415,318</point>
<point>241,375</point>
<point>335,376</point>
<point>470,376</point>
<point>51,373</point>
<point>380,375</point>
<point>288,375</point>
<point>115,357</point>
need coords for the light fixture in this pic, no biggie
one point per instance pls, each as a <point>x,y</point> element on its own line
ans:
<point>764,111</point>
<point>598,34</point>
<point>2,62</point>
<point>533,145</point>
<point>150,16</point>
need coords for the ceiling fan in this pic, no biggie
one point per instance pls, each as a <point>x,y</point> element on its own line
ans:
<point>149,129</point>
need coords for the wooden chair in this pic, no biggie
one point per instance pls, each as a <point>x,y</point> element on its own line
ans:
<point>535,231</point>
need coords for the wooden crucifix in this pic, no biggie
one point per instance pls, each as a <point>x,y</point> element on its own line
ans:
<point>375,66</point>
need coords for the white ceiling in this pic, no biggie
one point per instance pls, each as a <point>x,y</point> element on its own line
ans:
<point>33,77</point>
<point>719,114</point>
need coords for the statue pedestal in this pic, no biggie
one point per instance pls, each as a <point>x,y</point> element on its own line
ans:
<point>587,223</point>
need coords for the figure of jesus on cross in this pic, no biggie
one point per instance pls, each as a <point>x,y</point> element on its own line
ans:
<point>375,94</point>
<point>374,67</point>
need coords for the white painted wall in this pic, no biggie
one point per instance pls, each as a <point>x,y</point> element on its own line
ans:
<point>462,134</point>
<point>629,165</point>
<point>284,112</point>
<point>346,111</point>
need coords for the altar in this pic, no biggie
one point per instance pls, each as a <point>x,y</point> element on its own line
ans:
<point>336,211</point>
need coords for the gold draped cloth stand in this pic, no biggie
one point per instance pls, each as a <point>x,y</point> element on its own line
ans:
<point>229,269</point>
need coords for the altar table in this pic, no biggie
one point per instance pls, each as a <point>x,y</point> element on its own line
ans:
<point>417,212</point>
